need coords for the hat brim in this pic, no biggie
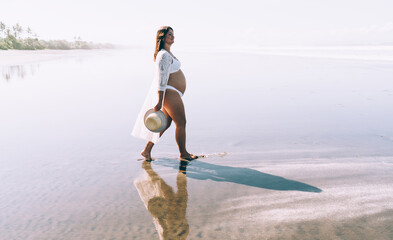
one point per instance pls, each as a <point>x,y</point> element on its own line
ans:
<point>162,116</point>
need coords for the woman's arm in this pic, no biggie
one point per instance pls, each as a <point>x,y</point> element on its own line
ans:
<point>164,61</point>
<point>160,100</point>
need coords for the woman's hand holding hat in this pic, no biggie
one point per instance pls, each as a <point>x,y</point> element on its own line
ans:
<point>155,121</point>
<point>157,107</point>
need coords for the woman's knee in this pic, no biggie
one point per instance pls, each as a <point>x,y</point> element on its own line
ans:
<point>180,122</point>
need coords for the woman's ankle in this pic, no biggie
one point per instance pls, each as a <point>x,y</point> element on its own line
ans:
<point>185,154</point>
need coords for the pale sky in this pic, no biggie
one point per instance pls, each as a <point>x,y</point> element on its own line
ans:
<point>207,22</point>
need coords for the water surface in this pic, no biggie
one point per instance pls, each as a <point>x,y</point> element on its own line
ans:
<point>289,140</point>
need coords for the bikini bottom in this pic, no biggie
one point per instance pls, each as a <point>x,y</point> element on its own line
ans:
<point>173,88</point>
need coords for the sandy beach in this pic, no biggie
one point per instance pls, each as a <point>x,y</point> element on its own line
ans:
<point>297,146</point>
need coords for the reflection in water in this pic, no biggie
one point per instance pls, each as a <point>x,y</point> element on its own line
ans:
<point>18,71</point>
<point>167,208</point>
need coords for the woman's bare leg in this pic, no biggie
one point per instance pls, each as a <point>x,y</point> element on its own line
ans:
<point>175,108</point>
<point>146,153</point>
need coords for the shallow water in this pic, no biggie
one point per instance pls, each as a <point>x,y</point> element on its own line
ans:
<point>289,140</point>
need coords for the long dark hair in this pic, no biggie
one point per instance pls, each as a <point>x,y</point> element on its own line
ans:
<point>161,33</point>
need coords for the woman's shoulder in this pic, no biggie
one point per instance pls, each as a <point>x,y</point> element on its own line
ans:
<point>163,54</point>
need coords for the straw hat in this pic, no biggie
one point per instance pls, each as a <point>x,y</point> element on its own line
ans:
<point>155,121</point>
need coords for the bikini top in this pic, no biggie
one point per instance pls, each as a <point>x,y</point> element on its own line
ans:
<point>166,64</point>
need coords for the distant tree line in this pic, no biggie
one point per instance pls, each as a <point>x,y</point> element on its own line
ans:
<point>16,37</point>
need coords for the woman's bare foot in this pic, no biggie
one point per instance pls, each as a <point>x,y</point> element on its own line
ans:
<point>146,155</point>
<point>188,157</point>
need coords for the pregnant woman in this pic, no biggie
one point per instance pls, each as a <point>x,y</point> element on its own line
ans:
<point>166,95</point>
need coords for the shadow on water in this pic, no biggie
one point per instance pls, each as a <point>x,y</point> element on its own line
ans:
<point>245,176</point>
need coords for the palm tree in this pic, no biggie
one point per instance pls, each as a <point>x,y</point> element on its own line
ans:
<point>2,28</point>
<point>29,32</point>
<point>78,42</point>
<point>17,30</point>
<point>8,31</point>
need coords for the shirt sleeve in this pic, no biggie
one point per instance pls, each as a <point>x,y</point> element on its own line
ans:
<point>163,63</point>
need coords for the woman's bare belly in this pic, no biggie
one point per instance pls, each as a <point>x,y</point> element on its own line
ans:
<point>178,81</point>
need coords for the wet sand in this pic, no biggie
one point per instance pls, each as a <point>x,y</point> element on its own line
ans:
<point>313,162</point>
<point>343,198</point>
<point>224,198</point>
